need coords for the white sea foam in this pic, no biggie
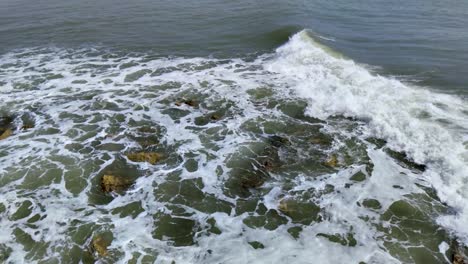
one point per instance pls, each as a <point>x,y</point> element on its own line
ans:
<point>430,127</point>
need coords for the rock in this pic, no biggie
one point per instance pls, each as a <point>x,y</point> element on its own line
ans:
<point>111,183</point>
<point>403,159</point>
<point>458,259</point>
<point>321,139</point>
<point>188,102</point>
<point>332,161</point>
<point>457,254</point>
<point>299,212</point>
<point>347,240</point>
<point>252,181</point>
<point>372,204</point>
<point>180,230</point>
<point>6,128</point>
<point>99,245</point>
<point>147,129</point>
<point>295,231</point>
<point>215,117</point>
<point>5,121</point>
<point>358,177</point>
<point>278,141</point>
<point>26,127</point>
<point>5,133</point>
<point>150,157</point>
<point>283,206</point>
<point>268,165</point>
<point>256,245</point>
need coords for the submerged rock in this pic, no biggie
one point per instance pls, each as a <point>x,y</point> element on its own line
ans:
<point>5,133</point>
<point>358,177</point>
<point>347,240</point>
<point>458,259</point>
<point>403,159</point>
<point>112,183</point>
<point>99,245</point>
<point>179,230</point>
<point>278,141</point>
<point>332,161</point>
<point>189,102</point>
<point>27,126</point>
<point>321,139</point>
<point>215,117</point>
<point>6,127</point>
<point>457,256</point>
<point>256,245</point>
<point>300,212</point>
<point>150,157</point>
<point>372,204</point>
<point>252,181</point>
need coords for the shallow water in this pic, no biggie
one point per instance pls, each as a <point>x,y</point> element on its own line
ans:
<point>269,153</point>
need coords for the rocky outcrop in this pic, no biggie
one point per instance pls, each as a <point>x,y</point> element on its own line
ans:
<point>189,102</point>
<point>332,161</point>
<point>5,133</point>
<point>150,157</point>
<point>6,129</point>
<point>112,183</point>
<point>99,245</point>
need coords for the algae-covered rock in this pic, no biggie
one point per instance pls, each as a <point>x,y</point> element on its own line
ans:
<point>403,159</point>
<point>23,211</point>
<point>252,181</point>
<point>179,230</point>
<point>112,183</point>
<point>99,245</point>
<point>215,117</point>
<point>27,126</point>
<point>458,259</point>
<point>150,157</point>
<point>347,240</point>
<point>358,177</point>
<point>256,245</point>
<point>278,141</point>
<point>189,102</point>
<point>6,127</point>
<point>372,204</point>
<point>5,133</point>
<point>332,161</point>
<point>271,220</point>
<point>300,212</point>
<point>295,231</point>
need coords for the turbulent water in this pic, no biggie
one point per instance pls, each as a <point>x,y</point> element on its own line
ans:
<point>300,155</point>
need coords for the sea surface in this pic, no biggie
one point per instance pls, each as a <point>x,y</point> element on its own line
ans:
<point>233,131</point>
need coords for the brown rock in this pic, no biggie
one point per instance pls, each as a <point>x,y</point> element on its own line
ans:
<point>458,259</point>
<point>150,157</point>
<point>189,102</point>
<point>99,245</point>
<point>5,133</point>
<point>215,117</point>
<point>252,181</point>
<point>283,206</point>
<point>111,183</point>
<point>332,161</point>
<point>26,127</point>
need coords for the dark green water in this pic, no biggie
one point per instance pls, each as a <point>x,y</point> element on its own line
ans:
<point>233,131</point>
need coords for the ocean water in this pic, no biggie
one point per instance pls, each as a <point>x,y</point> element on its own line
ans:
<point>285,131</point>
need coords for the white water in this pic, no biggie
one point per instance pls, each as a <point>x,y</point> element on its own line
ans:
<point>430,127</point>
<point>394,110</point>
